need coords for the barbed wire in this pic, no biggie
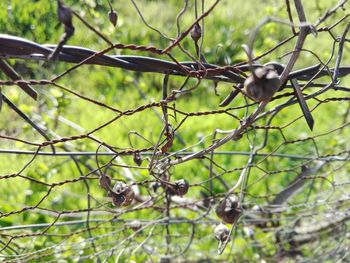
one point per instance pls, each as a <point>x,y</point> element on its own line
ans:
<point>221,182</point>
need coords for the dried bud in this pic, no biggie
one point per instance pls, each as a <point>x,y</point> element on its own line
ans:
<point>137,158</point>
<point>261,85</point>
<point>196,32</point>
<point>221,232</point>
<point>134,225</point>
<point>105,182</point>
<point>180,187</point>
<point>229,209</point>
<point>64,14</point>
<point>122,194</point>
<point>113,17</point>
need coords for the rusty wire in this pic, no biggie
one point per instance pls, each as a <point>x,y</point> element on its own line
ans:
<point>295,204</point>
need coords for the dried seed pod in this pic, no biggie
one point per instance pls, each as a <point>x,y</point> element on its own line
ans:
<point>134,225</point>
<point>113,17</point>
<point>221,232</point>
<point>261,85</point>
<point>196,32</point>
<point>180,187</point>
<point>105,182</point>
<point>122,194</point>
<point>137,158</point>
<point>229,209</point>
<point>64,13</point>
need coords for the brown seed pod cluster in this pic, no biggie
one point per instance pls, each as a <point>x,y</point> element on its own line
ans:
<point>262,84</point>
<point>229,209</point>
<point>122,194</point>
<point>180,187</point>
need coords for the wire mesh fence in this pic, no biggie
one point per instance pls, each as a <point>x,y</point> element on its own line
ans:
<point>187,175</point>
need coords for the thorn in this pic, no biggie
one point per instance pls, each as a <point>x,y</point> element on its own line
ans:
<point>305,109</point>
